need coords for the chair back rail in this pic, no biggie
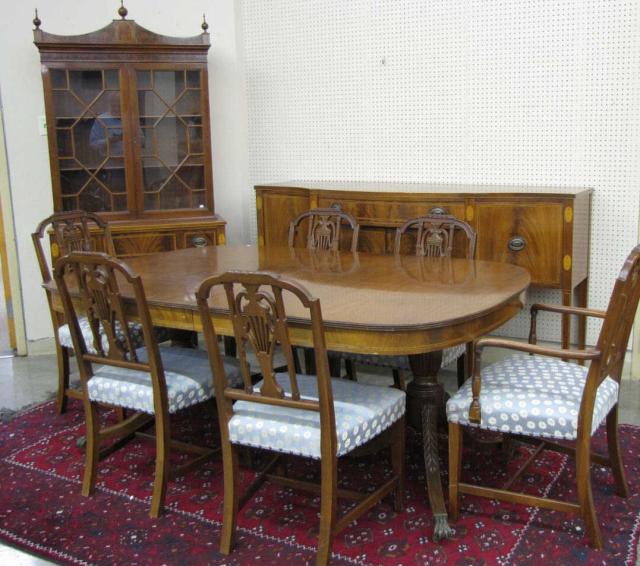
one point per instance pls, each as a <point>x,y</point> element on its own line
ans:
<point>616,328</point>
<point>89,284</point>
<point>70,232</point>
<point>256,305</point>
<point>435,235</point>
<point>324,226</point>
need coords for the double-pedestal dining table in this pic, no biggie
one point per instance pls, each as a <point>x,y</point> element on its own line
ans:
<point>371,304</point>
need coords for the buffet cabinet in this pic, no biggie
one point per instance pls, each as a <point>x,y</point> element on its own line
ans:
<point>544,229</point>
<point>127,114</point>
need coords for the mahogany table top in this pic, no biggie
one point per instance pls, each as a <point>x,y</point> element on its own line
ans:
<point>360,290</point>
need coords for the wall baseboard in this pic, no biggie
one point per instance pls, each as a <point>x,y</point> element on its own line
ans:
<point>42,347</point>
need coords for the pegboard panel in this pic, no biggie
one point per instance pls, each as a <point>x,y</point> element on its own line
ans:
<point>527,92</point>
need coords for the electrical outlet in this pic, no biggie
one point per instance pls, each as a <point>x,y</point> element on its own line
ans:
<point>42,125</point>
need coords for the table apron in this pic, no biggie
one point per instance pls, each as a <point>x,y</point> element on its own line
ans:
<point>377,341</point>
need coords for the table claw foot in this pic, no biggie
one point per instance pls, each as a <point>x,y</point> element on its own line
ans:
<point>441,529</point>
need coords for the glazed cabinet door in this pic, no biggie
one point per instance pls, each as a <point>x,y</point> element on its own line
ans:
<point>88,140</point>
<point>172,132</point>
<point>529,235</point>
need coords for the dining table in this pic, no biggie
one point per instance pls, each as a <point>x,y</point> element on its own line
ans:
<point>371,304</point>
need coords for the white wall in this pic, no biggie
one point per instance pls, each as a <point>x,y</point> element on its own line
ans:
<point>524,92</point>
<point>23,102</point>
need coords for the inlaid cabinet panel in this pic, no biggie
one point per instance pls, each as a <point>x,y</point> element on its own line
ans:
<point>527,235</point>
<point>389,212</point>
<point>141,244</point>
<point>276,211</point>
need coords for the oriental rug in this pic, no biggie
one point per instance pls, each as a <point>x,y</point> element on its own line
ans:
<point>42,511</point>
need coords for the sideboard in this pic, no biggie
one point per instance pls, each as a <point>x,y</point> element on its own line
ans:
<point>544,229</point>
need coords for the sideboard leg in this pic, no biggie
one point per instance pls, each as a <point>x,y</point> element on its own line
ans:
<point>425,397</point>
<point>567,300</point>
<point>582,291</point>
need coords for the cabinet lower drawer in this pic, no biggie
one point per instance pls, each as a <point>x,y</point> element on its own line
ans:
<point>128,245</point>
<point>381,212</point>
<point>528,235</point>
<point>200,239</point>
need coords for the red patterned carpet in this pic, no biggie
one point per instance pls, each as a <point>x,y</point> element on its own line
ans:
<point>41,508</point>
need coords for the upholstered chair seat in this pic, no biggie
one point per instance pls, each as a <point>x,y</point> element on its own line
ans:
<point>64,335</point>
<point>361,412</point>
<point>187,373</point>
<point>536,396</point>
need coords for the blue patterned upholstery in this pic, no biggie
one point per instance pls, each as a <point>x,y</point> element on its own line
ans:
<point>449,355</point>
<point>361,412</point>
<point>187,374</point>
<point>532,395</point>
<point>64,335</point>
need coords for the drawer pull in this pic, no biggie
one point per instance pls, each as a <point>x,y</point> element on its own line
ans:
<point>517,244</point>
<point>438,210</point>
<point>199,241</point>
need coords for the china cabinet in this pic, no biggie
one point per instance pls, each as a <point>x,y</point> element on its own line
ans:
<point>127,113</point>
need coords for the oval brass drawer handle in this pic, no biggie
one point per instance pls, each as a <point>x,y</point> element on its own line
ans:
<point>517,244</point>
<point>199,241</point>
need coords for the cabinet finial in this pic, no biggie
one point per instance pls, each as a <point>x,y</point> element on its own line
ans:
<point>37,21</point>
<point>205,25</point>
<point>122,11</point>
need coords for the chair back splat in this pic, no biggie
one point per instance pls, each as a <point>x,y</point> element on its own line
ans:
<point>324,229</point>
<point>75,231</point>
<point>435,235</point>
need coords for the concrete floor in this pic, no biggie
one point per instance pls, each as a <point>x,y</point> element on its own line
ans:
<point>28,380</point>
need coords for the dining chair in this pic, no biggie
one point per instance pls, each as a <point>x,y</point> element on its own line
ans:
<point>153,382</point>
<point>68,231</point>
<point>435,235</point>
<point>312,416</point>
<point>321,229</point>
<point>542,397</point>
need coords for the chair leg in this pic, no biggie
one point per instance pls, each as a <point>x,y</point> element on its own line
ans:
<point>398,436</point>
<point>334,366</point>
<point>585,495</point>
<point>398,380</point>
<point>295,350</point>
<point>63,377</point>
<point>163,440</point>
<point>92,449</point>
<point>328,507</point>
<point>309,361</point>
<point>462,370</point>
<point>615,456</point>
<point>465,364</point>
<point>455,461</point>
<point>230,511</point>
<point>350,367</point>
